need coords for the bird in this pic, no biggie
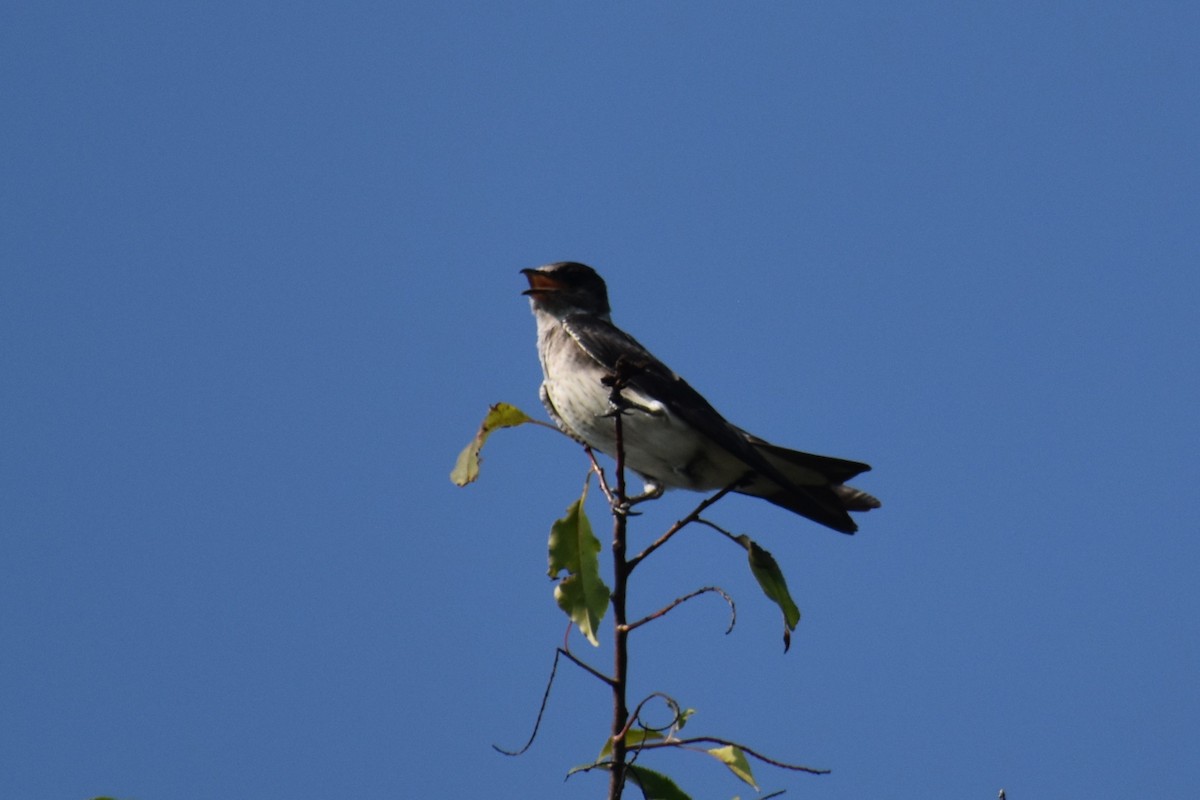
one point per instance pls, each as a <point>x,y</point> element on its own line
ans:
<point>671,436</point>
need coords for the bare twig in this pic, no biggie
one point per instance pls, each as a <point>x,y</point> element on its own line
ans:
<point>599,470</point>
<point>679,600</point>
<point>697,740</point>
<point>733,538</point>
<point>558,651</point>
<point>676,719</point>
<point>586,667</point>
<point>546,425</point>
<point>681,524</point>
<point>541,711</point>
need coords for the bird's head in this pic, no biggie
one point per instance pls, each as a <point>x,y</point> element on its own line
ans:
<point>566,287</point>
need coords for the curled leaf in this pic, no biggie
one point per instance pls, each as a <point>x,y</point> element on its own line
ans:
<point>501,415</point>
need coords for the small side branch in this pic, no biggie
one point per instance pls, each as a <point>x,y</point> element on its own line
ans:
<point>586,667</point>
<point>677,715</point>
<point>731,537</point>
<point>680,600</point>
<point>541,711</point>
<point>699,740</point>
<point>559,651</point>
<point>603,480</point>
<point>681,524</point>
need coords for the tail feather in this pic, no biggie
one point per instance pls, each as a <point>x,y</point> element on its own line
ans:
<point>817,489</point>
<point>818,503</point>
<point>802,467</point>
<point>855,499</point>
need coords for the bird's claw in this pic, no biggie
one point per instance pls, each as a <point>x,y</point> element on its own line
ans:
<point>621,405</point>
<point>625,507</point>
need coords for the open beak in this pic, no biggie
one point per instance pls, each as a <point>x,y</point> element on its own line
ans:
<point>540,282</point>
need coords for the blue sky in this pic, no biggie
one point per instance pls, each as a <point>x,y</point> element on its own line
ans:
<point>261,284</point>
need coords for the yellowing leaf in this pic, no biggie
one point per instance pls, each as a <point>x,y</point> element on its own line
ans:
<point>735,759</point>
<point>501,415</point>
<point>573,549</point>
<point>684,716</point>
<point>634,739</point>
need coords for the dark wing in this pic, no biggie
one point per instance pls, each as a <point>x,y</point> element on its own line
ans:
<point>795,463</point>
<point>606,343</point>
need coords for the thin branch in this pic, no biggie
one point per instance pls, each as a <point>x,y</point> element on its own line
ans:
<point>599,470</point>
<point>588,768</point>
<point>719,529</point>
<point>541,711</point>
<point>636,716</point>
<point>727,743</point>
<point>559,651</point>
<point>678,526</point>
<point>548,426</point>
<point>583,665</point>
<point>679,600</point>
<point>621,570</point>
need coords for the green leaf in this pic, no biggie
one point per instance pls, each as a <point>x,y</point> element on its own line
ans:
<point>634,738</point>
<point>684,716</point>
<point>573,549</point>
<point>773,584</point>
<point>501,415</point>
<point>655,785</point>
<point>735,759</point>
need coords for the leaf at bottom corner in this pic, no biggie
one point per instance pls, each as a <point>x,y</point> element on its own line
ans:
<point>655,785</point>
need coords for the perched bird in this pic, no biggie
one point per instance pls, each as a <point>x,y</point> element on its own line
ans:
<point>671,436</point>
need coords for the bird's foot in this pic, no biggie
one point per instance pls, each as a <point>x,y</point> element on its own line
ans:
<point>624,510</point>
<point>653,491</point>
<point>619,404</point>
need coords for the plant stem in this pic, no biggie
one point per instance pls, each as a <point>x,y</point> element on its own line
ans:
<point>620,628</point>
